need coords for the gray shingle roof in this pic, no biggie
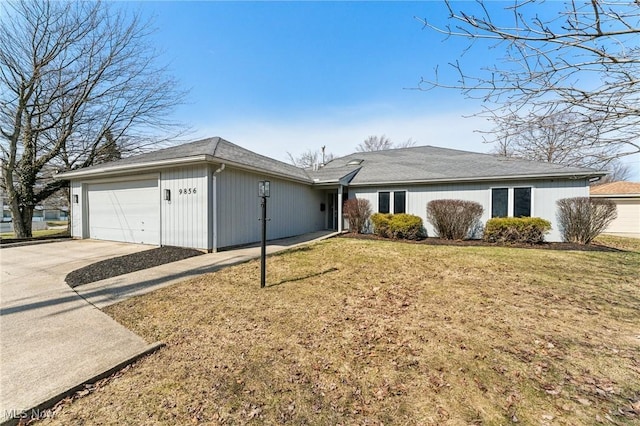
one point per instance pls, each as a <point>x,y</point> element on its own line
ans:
<point>429,163</point>
<point>217,148</point>
<point>331,174</point>
<point>394,166</point>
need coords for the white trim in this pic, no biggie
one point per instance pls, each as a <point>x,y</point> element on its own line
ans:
<point>378,200</point>
<point>129,178</point>
<point>631,196</point>
<point>130,167</point>
<point>406,200</point>
<point>125,178</point>
<point>511,198</point>
<point>392,200</point>
<point>570,176</point>
<point>340,219</point>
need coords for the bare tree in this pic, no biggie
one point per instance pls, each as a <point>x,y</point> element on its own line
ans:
<point>577,58</point>
<point>406,144</point>
<point>78,82</point>
<point>553,138</point>
<point>381,143</point>
<point>618,171</point>
<point>375,143</point>
<point>310,158</point>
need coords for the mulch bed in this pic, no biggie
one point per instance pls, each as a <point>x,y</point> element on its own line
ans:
<point>129,263</point>
<point>481,243</point>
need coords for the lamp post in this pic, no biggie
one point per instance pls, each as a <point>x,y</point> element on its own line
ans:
<point>264,193</point>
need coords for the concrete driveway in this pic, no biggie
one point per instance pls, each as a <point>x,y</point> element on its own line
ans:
<point>51,339</point>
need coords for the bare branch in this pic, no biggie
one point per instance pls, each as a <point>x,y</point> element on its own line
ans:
<point>77,80</point>
<point>580,59</point>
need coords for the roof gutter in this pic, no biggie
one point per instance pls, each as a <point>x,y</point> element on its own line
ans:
<point>308,181</point>
<point>112,170</point>
<point>571,176</point>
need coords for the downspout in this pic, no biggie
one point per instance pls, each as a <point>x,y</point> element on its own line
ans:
<point>214,207</point>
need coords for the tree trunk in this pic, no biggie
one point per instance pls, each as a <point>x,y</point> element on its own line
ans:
<point>21,218</point>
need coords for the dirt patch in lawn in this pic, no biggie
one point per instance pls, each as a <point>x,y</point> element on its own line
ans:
<point>352,331</point>
<point>129,263</point>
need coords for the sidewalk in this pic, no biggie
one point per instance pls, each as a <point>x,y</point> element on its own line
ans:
<point>113,290</point>
<point>53,339</point>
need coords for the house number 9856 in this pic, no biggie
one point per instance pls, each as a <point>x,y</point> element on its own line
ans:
<point>186,191</point>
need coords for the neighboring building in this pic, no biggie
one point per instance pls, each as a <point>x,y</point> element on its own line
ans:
<point>205,194</point>
<point>626,196</point>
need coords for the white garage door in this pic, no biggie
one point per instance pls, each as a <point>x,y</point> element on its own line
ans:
<point>628,220</point>
<point>125,211</point>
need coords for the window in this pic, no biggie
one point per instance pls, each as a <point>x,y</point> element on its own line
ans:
<point>514,202</point>
<point>521,202</point>
<point>383,202</point>
<point>499,202</point>
<point>399,202</point>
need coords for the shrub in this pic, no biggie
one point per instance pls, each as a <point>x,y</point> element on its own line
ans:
<point>581,219</point>
<point>403,226</point>
<point>406,227</point>
<point>454,219</point>
<point>530,230</point>
<point>381,224</point>
<point>357,212</point>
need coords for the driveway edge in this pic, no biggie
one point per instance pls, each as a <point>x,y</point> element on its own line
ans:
<point>38,409</point>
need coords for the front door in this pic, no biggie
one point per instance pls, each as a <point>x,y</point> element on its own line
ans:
<point>332,211</point>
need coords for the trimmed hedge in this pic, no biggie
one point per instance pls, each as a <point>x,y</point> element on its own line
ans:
<point>381,223</point>
<point>530,230</point>
<point>402,226</point>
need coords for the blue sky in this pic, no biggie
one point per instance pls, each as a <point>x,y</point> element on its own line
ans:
<point>279,77</point>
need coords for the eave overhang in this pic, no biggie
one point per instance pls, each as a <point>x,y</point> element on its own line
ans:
<point>543,176</point>
<point>113,170</point>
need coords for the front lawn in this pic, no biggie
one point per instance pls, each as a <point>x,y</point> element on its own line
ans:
<point>377,332</point>
<point>44,233</point>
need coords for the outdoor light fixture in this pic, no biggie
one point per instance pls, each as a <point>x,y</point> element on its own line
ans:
<point>75,198</point>
<point>263,188</point>
<point>167,194</point>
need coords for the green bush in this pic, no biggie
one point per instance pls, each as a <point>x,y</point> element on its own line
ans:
<point>530,230</point>
<point>381,223</point>
<point>403,226</point>
<point>406,227</point>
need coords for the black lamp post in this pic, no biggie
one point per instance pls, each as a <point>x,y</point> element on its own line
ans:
<point>264,193</point>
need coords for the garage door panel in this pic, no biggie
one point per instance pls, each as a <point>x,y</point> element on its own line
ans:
<point>125,211</point>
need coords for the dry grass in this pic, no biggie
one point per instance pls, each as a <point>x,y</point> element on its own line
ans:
<point>36,234</point>
<point>374,332</point>
<point>621,243</point>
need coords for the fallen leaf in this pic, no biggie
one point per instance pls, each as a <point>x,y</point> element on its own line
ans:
<point>583,401</point>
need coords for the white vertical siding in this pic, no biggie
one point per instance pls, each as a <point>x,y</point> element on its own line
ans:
<point>544,195</point>
<point>77,222</point>
<point>293,208</point>
<point>185,218</point>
